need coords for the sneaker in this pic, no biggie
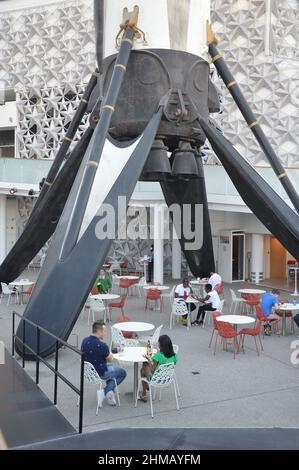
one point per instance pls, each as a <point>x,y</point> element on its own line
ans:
<point>200,322</point>
<point>101,396</point>
<point>110,398</point>
<point>195,322</point>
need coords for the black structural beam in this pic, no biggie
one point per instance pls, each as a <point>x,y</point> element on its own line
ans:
<point>253,124</point>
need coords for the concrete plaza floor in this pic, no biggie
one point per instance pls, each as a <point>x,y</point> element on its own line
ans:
<point>216,390</point>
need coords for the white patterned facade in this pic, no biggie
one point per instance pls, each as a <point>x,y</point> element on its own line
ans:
<point>260,42</point>
<point>46,55</point>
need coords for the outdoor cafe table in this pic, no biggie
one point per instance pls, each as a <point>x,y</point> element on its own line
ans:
<point>147,287</point>
<point>134,326</point>
<point>199,282</point>
<point>283,308</point>
<point>252,291</point>
<point>236,319</point>
<point>134,355</point>
<point>190,301</point>
<point>22,283</point>
<point>105,298</point>
<point>131,278</point>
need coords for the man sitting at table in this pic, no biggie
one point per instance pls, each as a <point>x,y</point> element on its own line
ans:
<point>211,303</point>
<point>269,304</point>
<point>183,291</point>
<point>97,353</point>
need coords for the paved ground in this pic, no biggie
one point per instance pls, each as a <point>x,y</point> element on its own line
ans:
<point>216,390</point>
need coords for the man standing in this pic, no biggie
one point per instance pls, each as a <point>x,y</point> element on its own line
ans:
<point>150,267</point>
<point>211,303</point>
<point>97,353</point>
<point>214,280</point>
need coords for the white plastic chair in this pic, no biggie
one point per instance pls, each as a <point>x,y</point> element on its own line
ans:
<point>163,377</point>
<point>169,296</point>
<point>115,266</point>
<point>118,339</point>
<point>9,292</point>
<point>179,308</point>
<point>91,377</point>
<point>221,305</point>
<point>139,287</point>
<point>236,302</point>
<point>96,306</point>
<point>154,338</point>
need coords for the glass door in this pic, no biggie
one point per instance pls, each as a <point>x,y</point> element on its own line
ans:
<point>238,256</point>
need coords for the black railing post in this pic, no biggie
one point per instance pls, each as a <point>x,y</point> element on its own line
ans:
<point>13,334</point>
<point>37,355</point>
<point>56,369</point>
<point>81,396</point>
<point>23,348</point>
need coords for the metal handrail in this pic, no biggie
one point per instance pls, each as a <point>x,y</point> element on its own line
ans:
<point>38,358</point>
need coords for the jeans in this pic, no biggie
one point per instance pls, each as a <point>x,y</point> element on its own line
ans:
<point>113,373</point>
<point>202,311</point>
<point>296,319</point>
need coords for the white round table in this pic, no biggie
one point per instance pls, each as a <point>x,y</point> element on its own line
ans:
<point>105,298</point>
<point>200,283</point>
<point>284,308</point>
<point>131,278</point>
<point>134,326</point>
<point>236,319</point>
<point>147,287</point>
<point>22,283</point>
<point>134,355</point>
<point>252,291</point>
<point>190,301</point>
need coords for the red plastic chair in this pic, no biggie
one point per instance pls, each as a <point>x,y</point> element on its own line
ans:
<point>226,331</point>
<point>265,320</point>
<point>28,291</point>
<point>126,334</point>
<point>125,284</point>
<point>251,301</point>
<point>120,304</point>
<point>215,325</point>
<point>254,332</point>
<point>153,294</point>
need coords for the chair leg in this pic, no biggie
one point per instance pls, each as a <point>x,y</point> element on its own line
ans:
<point>122,311</point>
<point>138,390</point>
<point>259,336</point>
<point>215,344</point>
<point>160,394</point>
<point>176,397</point>
<point>170,322</point>
<point>177,385</point>
<point>117,394</point>
<point>257,349</point>
<point>211,338</point>
<point>151,401</point>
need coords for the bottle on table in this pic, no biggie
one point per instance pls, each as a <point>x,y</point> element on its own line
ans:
<point>149,351</point>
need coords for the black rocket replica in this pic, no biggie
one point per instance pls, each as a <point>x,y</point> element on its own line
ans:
<point>150,97</point>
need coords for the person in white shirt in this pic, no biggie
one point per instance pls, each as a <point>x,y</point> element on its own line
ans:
<point>211,303</point>
<point>214,280</point>
<point>183,291</point>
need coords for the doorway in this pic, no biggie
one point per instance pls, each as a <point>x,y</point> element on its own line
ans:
<point>238,256</point>
<point>278,260</point>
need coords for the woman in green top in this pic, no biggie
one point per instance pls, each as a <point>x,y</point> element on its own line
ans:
<point>165,355</point>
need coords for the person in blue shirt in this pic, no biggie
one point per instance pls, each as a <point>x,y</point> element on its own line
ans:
<point>269,304</point>
<point>97,353</point>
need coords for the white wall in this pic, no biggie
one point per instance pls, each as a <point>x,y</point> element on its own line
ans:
<point>8,114</point>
